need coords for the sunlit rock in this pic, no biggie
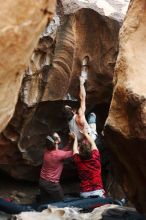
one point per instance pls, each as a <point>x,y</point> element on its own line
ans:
<point>54,72</point>
<point>126,124</point>
<point>104,212</point>
<point>110,8</point>
<point>21,23</point>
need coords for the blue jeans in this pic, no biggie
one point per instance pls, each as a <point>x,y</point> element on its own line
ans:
<point>92,123</point>
<point>91,118</point>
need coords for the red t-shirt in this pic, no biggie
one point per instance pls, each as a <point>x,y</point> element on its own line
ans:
<point>89,172</point>
<point>53,164</point>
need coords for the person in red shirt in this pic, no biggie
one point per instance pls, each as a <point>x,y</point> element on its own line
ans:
<point>87,160</point>
<point>50,188</point>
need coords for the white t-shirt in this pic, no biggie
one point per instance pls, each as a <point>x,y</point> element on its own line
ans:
<point>75,128</point>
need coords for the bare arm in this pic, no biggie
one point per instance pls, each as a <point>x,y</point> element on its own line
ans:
<point>91,141</point>
<point>75,143</point>
<point>82,95</point>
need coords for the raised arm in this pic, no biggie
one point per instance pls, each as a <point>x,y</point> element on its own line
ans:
<point>82,95</point>
<point>91,141</point>
<point>75,143</point>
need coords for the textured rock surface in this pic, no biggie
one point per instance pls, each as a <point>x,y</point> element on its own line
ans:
<point>20,26</point>
<point>53,73</point>
<point>64,214</point>
<point>72,44</point>
<point>110,8</point>
<point>126,124</point>
<point>100,213</point>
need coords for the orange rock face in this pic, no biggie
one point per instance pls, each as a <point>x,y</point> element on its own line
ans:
<point>84,33</point>
<point>126,124</point>
<point>20,26</point>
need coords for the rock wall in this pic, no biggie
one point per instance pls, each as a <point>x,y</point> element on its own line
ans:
<point>20,26</point>
<point>53,74</point>
<point>126,124</point>
<point>110,8</point>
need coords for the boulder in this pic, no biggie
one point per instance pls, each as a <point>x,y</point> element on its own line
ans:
<point>113,9</point>
<point>52,79</point>
<point>53,73</point>
<point>125,128</point>
<point>20,26</point>
<point>105,212</point>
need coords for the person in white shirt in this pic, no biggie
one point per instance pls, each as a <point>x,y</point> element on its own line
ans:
<point>76,119</point>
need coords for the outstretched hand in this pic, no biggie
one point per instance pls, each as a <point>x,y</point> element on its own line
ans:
<point>72,135</point>
<point>84,131</point>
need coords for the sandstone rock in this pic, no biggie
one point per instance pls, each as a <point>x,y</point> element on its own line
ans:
<point>126,124</point>
<point>53,74</point>
<point>46,83</point>
<point>110,8</point>
<point>71,46</point>
<point>106,212</point>
<point>94,39</point>
<point>56,62</point>
<point>21,24</point>
<point>64,214</point>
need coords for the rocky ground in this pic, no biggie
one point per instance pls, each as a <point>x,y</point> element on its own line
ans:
<point>18,191</point>
<point>25,192</point>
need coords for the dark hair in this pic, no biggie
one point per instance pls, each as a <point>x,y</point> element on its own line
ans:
<point>68,113</point>
<point>50,143</point>
<point>85,151</point>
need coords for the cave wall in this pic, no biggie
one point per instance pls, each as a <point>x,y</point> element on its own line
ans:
<point>125,128</point>
<point>56,63</point>
<point>113,9</point>
<point>21,23</point>
<point>96,37</point>
<point>53,74</point>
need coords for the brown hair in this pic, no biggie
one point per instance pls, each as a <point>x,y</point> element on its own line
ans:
<point>50,143</point>
<point>85,151</point>
<point>68,113</point>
